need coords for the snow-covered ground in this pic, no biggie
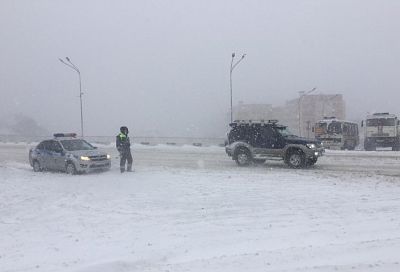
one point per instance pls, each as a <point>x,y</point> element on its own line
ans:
<point>183,211</point>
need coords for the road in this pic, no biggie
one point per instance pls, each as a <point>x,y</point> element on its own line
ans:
<point>214,158</point>
<point>192,209</point>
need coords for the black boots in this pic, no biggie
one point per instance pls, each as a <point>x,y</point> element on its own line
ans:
<point>129,168</point>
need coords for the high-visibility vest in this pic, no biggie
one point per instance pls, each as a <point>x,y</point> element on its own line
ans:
<point>121,136</point>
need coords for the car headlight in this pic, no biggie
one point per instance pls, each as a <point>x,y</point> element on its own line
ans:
<point>85,158</point>
<point>108,156</point>
<point>311,146</point>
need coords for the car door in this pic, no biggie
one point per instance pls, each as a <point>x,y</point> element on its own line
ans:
<point>56,156</point>
<point>271,141</point>
<point>259,142</point>
<point>45,155</point>
<point>38,154</point>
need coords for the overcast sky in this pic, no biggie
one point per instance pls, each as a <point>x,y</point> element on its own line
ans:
<point>160,66</point>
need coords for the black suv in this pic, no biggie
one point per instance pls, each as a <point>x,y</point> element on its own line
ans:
<point>250,141</point>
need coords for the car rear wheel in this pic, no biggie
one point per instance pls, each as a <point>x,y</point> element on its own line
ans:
<point>70,169</point>
<point>295,159</point>
<point>243,157</point>
<point>36,166</point>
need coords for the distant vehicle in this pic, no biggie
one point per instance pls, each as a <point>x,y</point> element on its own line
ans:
<point>68,154</point>
<point>256,141</point>
<point>337,134</point>
<point>381,130</point>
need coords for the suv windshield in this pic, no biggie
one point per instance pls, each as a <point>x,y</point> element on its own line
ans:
<point>73,145</point>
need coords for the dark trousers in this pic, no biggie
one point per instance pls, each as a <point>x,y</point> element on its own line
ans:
<point>125,156</point>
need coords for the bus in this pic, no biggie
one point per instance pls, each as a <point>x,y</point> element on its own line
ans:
<point>337,134</point>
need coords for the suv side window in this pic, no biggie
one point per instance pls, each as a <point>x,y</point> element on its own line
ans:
<point>271,137</point>
<point>233,135</point>
<point>258,139</point>
<point>240,133</point>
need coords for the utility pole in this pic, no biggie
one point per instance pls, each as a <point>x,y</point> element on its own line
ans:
<point>299,109</point>
<point>230,78</point>
<point>69,63</point>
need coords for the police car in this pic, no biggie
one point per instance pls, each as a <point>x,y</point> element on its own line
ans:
<point>69,154</point>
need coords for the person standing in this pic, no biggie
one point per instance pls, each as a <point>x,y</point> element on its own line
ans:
<point>124,149</point>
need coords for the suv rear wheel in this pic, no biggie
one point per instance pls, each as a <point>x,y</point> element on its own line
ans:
<point>295,158</point>
<point>243,157</point>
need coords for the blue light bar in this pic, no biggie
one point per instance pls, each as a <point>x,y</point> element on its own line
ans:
<point>56,135</point>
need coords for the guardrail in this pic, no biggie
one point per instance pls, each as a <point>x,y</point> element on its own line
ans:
<point>145,140</point>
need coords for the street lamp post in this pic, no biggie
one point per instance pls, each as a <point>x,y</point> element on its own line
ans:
<point>230,77</point>
<point>302,94</point>
<point>69,63</point>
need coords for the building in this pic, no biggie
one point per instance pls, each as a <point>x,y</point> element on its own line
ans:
<point>252,111</point>
<point>313,108</point>
<point>298,114</point>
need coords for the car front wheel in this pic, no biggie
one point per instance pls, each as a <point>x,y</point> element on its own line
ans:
<point>70,169</point>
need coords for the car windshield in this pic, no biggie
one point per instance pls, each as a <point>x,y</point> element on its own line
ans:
<point>73,145</point>
<point>285,132</point>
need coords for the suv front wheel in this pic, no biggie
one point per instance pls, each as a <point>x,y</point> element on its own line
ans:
<point>243,157</point>
<point>295,158</point>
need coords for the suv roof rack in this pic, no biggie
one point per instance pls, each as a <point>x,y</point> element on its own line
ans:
<point>381,113</point>
<point>271,121</point>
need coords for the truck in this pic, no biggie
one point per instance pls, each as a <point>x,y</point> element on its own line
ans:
<point>381,130</point>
